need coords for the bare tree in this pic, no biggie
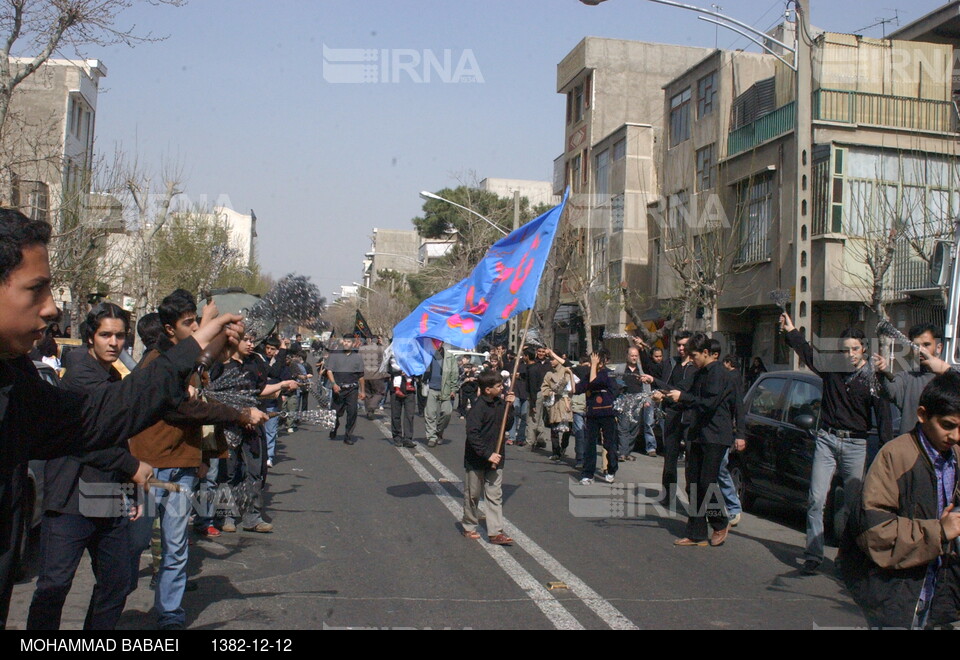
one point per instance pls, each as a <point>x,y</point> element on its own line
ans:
<point>46,27</point>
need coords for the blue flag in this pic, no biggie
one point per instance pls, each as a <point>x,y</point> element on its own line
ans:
<point>502,285</point>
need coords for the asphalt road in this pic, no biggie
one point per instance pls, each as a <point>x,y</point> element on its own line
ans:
<point>367,536</point>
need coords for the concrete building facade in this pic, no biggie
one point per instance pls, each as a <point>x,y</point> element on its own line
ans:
<point>611,138</point>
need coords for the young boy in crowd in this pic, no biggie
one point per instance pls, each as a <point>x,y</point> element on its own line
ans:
<point>899,553</point>
<point>483,459</point>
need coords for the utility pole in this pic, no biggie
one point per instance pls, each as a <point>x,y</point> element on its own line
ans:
<point>803,138</point>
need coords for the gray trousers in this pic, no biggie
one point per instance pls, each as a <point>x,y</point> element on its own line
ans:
<point>537,431</point>
<point>488,483</point>
<point>436,415</point>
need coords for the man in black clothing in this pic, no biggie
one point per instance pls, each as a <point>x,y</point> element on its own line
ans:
<point>345,373</point>
<point>709,408</point>
<point>677,375</point>
<point>537,368</point>
<point>83,505</point>
<point>483,459</point>
<point>41,421</point>
<point>849,404</point>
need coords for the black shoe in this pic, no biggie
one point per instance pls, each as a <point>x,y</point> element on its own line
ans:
<point>810,567</point>
<point>333,434</point>
<point>409,444</point>
<point>397,444</point>
<point>349,440</point>
<point>173,626</point>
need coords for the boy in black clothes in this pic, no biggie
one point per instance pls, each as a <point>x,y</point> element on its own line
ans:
<point>483,459</point>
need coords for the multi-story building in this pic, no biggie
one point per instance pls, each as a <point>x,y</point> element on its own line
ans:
<point>614,91</point>
<point>537,192</point>
<point>48,136</point>
<point>884,183</point>
<point>396,250</point>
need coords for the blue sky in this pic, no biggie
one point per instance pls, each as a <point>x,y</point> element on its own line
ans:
<point>236,95</point>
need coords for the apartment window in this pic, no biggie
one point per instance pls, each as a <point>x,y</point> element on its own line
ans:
<point>585,160</point>
<point>575,173</point>
<point>569,107</point>
<point>599,258</point>
<point>755,215</point>
<point>706,168</point>
<point>578,103</point>
<point>34,199</point>
<point>616,213</point>
<point>620,150</point>
<point>680,117</point>
<point>678,206</point>
<point>706,94</point>
<point>587,85</point>
<point>603,172</point>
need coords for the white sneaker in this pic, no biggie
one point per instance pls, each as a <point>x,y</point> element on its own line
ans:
<point>608,478</point>
<point>269,462</point>
<point>735,520</point>
<point>586,481</point>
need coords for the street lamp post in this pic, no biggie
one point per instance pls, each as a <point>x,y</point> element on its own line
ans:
<point>429,195</point>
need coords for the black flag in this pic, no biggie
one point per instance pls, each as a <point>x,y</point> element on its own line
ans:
<point>360,327</point>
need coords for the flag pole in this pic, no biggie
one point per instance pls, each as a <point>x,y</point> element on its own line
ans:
<point>513,379</point>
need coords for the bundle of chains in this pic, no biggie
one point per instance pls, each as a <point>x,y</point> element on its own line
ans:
<point>630,406</point>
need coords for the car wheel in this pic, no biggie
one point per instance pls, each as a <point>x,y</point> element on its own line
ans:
<point>741,485</point>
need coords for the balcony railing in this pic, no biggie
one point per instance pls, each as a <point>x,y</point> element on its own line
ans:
<point>778,122</point>
<point>884,110</point>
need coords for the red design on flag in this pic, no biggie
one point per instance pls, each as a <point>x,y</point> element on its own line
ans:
<point>423,322</point>
<point>508,310</point>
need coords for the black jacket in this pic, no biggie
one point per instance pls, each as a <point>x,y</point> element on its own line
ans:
<point>712,406</point>
<point>41,421</point>
<point>63,476</point>
<point>483,432</point>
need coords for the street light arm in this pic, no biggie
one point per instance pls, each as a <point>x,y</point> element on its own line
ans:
<point>750,37</point>
<point>700,10</point>
<point>429,195</point>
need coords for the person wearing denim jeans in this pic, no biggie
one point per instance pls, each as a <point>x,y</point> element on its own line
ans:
<point>173,511</point>
<point>849,402</point>
<point>729,491</point>
<point>832,452</point>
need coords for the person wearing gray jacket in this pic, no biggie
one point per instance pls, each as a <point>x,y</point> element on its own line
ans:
<point>904,389</point>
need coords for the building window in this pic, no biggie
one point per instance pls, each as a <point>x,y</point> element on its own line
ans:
<point>575,173</point>
<point>578,103</point>
<point>616,212</point>
<point>599,258</point>
<point>569,107</point>
<point>34,199</point>
<point>587,87</point>
<point>706,168</point>
<point>680,117</point>
<point>602,167</point>
<point>755,216</point>
<point>678,206</point>
<point>620,150</point>
<point>585,160</point>
<point>706,95</point>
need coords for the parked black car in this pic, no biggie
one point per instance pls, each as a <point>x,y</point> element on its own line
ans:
<point>783,417</point>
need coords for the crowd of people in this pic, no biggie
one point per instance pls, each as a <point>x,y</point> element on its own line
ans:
<point>198,442</point>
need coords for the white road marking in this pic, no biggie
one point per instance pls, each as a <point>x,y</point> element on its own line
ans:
<point>550,606</point>
<point>600,606</point>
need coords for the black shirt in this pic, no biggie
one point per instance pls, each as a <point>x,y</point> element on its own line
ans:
<point>850,397</point>
<point>483,432</point>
